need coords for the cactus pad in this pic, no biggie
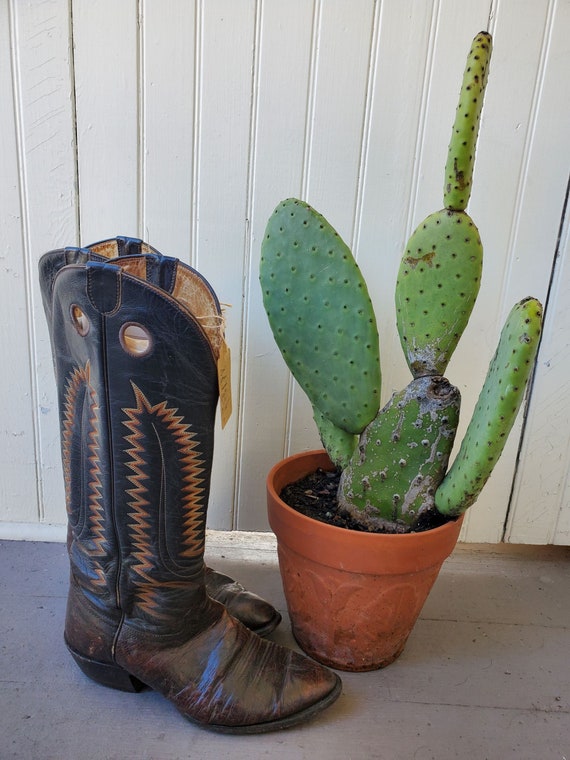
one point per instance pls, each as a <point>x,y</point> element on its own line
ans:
<point>321,315</point>
<point>461,154</point>
<point>438,282</point>
<point>338,443</point>
<point>402,456</point>
<point>496,410</point>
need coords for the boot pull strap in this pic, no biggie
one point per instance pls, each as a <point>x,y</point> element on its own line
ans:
<point>74,255</point>
<point>121,246</point>
<point>128,246</point>
<point>153,268</point>
<point>104,286</point>
<point>161,271</point>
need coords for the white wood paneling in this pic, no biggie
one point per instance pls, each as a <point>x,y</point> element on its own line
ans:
<point>42,146</point>
<point>342,39</point>
<point>106,39</point>
<point>531,180</point>
<point>185,123</point>
<point>541,513</point>
<point>223,150</point>
<point>282,82</point>
<point>389,175</point>
<point>18,491</point>
<point>168,53</point>
<point>509,152</point>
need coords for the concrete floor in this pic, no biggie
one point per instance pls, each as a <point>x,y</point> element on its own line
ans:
<point>485,675</point>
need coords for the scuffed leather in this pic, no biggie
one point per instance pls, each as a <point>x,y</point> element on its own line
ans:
<point>228,677</point>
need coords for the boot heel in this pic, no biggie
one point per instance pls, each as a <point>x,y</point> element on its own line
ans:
<point>107,674</point>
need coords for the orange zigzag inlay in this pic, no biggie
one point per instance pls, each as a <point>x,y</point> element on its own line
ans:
<point>80,380</point>
<point>192,491</point>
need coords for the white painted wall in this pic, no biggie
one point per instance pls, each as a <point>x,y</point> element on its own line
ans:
<point>186,122</point>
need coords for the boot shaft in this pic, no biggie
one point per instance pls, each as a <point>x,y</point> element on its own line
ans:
<point>136,340</point>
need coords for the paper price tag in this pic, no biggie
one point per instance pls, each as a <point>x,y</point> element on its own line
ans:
<point>225,382</point>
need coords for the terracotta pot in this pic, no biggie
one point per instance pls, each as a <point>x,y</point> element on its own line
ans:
<point>353,598</point>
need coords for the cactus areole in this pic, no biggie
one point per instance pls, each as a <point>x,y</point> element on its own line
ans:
<point>393,461</point>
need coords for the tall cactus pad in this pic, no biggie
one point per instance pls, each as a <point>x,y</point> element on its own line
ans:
<point>461,155</point>
<point>496,410</point>
<point>438,282</point>
<point>321,315</point>
<point>402,456</point>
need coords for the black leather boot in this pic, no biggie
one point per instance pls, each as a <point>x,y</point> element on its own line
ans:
<point>142,259</point>
<point>136,344</point>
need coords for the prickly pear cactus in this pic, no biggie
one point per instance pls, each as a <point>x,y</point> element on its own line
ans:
<point>436,289</point>
<point>318,306</point>
<point>402,456</point>
<point>496,410</point>
<point>461,154</point>
<point>321,315</point>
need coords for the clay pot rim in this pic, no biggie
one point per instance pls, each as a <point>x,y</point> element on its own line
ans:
<point>342,547</point>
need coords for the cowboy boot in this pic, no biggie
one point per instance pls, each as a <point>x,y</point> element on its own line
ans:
<point>138,389</point>
<point>256,613</point>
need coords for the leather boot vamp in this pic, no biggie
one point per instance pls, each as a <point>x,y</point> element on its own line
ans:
<point>225,676</point>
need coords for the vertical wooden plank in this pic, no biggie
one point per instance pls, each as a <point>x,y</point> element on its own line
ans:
<point>226,43</point>
<point>334,142</point>
<point>341,69</point>
<point>540,511</point>
<point>44,123</point>
<point>106,47</point>
<point>18,491</point>
<point>541,503</point>
<point>284,40</point>
<point>402,64</point>
<point>168,51</point>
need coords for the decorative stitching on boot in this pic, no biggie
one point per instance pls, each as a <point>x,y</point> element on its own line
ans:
<point>78,391</point>
<point>189,502</point>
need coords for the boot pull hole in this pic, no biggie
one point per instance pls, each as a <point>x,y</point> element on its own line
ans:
<point>79,319</point>
<point>135,339</point>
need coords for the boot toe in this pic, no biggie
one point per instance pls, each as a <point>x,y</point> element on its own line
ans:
<point>230,680</point>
